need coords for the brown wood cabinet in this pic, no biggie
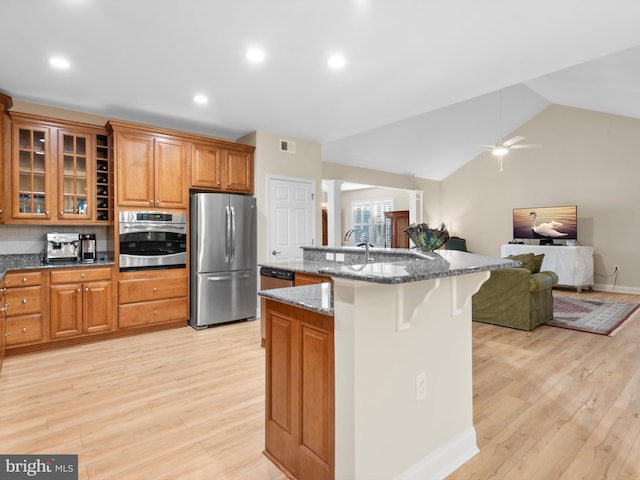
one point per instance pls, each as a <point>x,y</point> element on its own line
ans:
<point>5,182</point>
<point>216,166</point>
<point>53,166</point>
<point>3,322</point>
<point>80,302</point>
<point>151,168</point>
<point>152,297</point>
<point>309,279</point>
<point>300,398</point>
<point>24,296</point>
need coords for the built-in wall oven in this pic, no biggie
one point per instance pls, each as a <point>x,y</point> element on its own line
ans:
<point>151,240</point>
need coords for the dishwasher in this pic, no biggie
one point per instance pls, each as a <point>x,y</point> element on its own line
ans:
<point>272,278</point>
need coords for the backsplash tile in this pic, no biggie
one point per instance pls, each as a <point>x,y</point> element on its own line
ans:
<point>30,238</point>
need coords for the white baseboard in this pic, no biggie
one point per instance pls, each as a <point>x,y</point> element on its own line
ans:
<point>618,289</point>
<point>445,459</point>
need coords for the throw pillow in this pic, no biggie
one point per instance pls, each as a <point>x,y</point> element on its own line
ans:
<point>527,260</point>
<point>538,261</point>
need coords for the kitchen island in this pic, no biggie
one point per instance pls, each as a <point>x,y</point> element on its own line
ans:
<point>381,382</point>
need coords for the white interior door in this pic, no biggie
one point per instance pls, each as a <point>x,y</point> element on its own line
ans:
<point>291,218</point>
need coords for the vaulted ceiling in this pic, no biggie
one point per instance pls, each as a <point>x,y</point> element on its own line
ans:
<point>423,81</point>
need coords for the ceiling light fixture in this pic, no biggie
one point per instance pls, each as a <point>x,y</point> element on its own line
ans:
<point>59,62</point>
<point>255,55</point>
<point>499,150</point>
<point>337,61</point>
<point>200,99</point>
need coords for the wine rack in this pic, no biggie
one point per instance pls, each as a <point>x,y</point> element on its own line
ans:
<point>104,179</point>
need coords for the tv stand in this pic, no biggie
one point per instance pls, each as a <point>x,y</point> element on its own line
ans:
<point>573,265</point>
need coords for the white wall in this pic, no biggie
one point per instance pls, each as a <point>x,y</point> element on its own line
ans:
<point>306,163</point>
<point>587,158</point>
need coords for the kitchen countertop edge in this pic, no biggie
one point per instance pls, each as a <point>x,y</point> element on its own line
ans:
<point>32,261</point>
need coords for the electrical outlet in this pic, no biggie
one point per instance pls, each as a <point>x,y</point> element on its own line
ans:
<point>616,268</point>
<point>421,386</point>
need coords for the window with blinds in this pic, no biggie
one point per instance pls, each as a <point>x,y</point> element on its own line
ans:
<point>367,218</point>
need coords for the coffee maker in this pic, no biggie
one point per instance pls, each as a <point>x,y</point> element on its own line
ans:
<point>61,247</point>
<point>88,253</point>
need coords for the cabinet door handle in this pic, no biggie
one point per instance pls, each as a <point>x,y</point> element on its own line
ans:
<point>155,289</point>
<point>82,275</point>
<point>86,289</point>
<point>79,290</point>
<point>155,312</point>
<point>24,279</point>
<point>24,329</point>
<point>61,214</point>
<point>24,301</point>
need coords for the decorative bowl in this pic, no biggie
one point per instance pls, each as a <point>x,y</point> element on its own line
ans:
<point>425,238</point>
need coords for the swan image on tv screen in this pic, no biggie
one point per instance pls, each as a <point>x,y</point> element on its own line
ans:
<point>546,222</point>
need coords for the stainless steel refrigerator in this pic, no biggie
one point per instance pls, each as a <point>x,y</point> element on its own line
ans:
<point>223,258</point>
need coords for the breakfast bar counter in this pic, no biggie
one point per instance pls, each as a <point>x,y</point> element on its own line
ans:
<point>397,376</point>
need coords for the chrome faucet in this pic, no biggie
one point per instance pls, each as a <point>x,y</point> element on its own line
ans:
<point>347,235</point>
<point>365,239</point>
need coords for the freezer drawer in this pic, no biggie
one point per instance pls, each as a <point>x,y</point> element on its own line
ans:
<point>223,297</point>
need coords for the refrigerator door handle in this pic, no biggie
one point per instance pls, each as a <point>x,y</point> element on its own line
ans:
<point>216,279</point>
<point>226,277</point>
<point>233,234</point>
<point>227,234</point>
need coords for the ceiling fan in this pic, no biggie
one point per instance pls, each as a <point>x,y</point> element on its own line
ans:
<point>501,149</point>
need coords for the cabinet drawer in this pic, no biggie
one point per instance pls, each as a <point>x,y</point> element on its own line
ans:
<point>141,290</point>
<point>22,279</point>
<point>26,329</point>
<point>148,313</point>
<point>80,275</point>
<point>24,300</point>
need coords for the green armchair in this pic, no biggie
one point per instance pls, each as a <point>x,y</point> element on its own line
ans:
<point>519,297</point>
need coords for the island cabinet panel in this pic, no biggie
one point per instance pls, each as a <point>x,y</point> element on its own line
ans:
<point>300,416</point>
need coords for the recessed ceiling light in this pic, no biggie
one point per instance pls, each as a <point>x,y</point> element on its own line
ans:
<point>59,62</point>
<point>255,55</point>
<point>201,99</point>
<point>336,61</point>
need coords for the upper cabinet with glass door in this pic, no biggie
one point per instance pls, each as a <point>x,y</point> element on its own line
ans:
<point>31,168</point>
<point>76,199</point>
<point>54,171</point>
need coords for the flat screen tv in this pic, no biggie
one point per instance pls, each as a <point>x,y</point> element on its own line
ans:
<point>546,223</point>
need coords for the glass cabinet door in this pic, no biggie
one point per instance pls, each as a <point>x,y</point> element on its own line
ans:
<point>31,166</point>
<point>74,167</point>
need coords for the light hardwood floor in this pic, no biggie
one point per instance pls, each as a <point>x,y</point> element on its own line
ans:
<point>176,404</point>
<point>181,404</point>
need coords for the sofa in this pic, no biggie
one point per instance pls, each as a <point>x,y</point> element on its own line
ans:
<point>519,298</point>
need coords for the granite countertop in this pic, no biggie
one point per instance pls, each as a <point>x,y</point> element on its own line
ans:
<point>406,266</point>
<point>400,266</point>
<point>316,298</point>
<point>32,261</point>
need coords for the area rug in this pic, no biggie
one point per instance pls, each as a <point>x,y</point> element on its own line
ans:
<point>593,316</point>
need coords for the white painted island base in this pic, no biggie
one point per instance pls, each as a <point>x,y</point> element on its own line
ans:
<point>386,337</point>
